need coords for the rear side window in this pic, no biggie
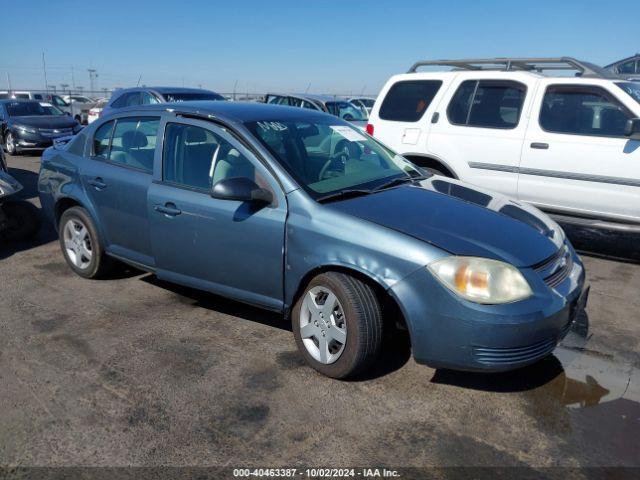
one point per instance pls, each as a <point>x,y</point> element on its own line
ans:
<point>583,110</point>
<point>487,104</point>
<point>101,140</point>
<point>134,142</point>
<point>126,99</point>
<point>408,100</point>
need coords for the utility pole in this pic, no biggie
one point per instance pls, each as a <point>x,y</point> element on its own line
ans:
<point>64,86</point>
<point>51,87</point>
<point>9,81</point>
<point>92,77</point>
<point>44,70</point>
<point>73,78</point>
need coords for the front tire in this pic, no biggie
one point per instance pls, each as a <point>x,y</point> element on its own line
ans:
<point>337,325</point>
<point>10,144</point>
<point>81,245</point>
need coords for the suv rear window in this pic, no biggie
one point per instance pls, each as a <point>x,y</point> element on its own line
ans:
<point>408,100</point>
<point>487,104</point>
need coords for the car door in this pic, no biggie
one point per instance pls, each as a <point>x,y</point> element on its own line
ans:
<point>228,247</point>
<point>117,179</point>
<point>481,130</point>
<point>576,158</point>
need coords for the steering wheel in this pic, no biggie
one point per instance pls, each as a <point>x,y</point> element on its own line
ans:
<point>334,167</point>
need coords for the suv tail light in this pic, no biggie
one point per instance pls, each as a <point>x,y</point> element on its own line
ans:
<point>370,129</point>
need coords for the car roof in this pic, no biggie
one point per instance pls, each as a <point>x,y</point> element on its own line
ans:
<point>237,112</point>
<point>311,96</point>
<point>163,90</point>
<point>617,62</point>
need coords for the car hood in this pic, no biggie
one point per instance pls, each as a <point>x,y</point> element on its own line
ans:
<point>462,220</point>
<point>45,121</point>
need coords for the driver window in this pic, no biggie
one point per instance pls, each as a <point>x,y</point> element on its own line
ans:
<point>197,158</point>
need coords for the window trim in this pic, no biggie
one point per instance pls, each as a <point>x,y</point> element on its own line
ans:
<point>424,80</point>
<point>478,81</point>
<point>92,153</point>
<point>591,86</point>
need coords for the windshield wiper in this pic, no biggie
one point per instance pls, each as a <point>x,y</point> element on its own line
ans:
<point>343,194</point>
<point>398,181</point>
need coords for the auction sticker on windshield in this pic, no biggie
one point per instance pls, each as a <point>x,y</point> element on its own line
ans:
<point>349,133</point>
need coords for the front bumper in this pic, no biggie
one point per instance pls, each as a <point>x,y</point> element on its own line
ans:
<point>34,141</point>
<point>449,332</point>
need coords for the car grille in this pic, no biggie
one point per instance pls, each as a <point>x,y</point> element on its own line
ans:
<point>56,132</point>
<point>556,268</point>
<point>501,356</point>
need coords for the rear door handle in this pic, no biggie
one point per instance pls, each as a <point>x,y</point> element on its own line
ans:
<point>98,183</point>
<point>168,209</point>
<point>540,146</point>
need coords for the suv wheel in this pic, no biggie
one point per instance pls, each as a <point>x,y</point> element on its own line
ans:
<point>337,324</point>
<point>81,244</point>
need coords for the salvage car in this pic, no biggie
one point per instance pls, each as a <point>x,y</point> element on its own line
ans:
<point>324,103</point>
<point>31,125</point>
<point>566,144</point>
<point>128,97</point>
<point>299,212</point>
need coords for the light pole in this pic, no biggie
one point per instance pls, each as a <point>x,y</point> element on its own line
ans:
<point>52,87</point>
<point>64,86</point>
<point>92,77</point>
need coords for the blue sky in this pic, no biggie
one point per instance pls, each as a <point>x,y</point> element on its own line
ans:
<point>285,45</point>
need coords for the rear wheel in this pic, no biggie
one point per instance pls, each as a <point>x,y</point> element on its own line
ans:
<point>23,221</point>
<point>81,244</point>
<point>337,324</point>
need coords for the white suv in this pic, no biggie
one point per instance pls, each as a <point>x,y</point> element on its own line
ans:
<point>568,144</point>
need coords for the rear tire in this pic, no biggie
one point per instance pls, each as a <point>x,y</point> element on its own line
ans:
<point>352,329</point>
<point>81,244</point>
<point>23,221</point>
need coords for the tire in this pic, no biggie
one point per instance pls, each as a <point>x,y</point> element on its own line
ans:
<point>357,317</point>
<point>9,144</point>
<point>83,251</point>
<point>23,221</point>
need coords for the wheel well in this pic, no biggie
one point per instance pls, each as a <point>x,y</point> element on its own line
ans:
<point>391,312</point>
<point>430,162</point>
<point>62,205</point>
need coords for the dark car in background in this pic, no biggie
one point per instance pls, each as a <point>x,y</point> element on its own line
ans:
<point>32,125</point>
<point>337,107</point>
<point>628,68</point>
<point>131,97</point>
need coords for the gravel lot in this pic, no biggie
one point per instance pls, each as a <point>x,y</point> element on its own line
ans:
<point>135,371</point>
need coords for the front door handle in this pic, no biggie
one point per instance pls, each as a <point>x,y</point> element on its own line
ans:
<point>168,209</point>
<point>98,183</point>
<point>540,145</point>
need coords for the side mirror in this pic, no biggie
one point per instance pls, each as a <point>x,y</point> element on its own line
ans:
<point>241,189</point>
<point>632,129</point>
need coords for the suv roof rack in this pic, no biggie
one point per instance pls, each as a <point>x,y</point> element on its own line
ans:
<point>508,64</point>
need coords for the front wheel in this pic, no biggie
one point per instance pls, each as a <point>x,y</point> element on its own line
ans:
<point>23,221</point>
<point>10,144</point>
<point>337,324</point>
<point>81,244</point>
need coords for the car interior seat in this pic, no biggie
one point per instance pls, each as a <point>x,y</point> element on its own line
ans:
<point>231,163</point>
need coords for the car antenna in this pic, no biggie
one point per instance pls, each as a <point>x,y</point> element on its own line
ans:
<point>308,87</point>
<point>139,78</point>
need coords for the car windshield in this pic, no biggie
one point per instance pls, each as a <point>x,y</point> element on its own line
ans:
<point>632,88</point>
<point>24,109</point>
<point>188,96</point>
<point>345,110</point>
<point>327,156</point>
<point>367,102</point>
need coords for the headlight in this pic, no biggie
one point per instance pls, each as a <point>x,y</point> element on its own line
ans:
<point>25,129</point>
<point>481,280</point>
